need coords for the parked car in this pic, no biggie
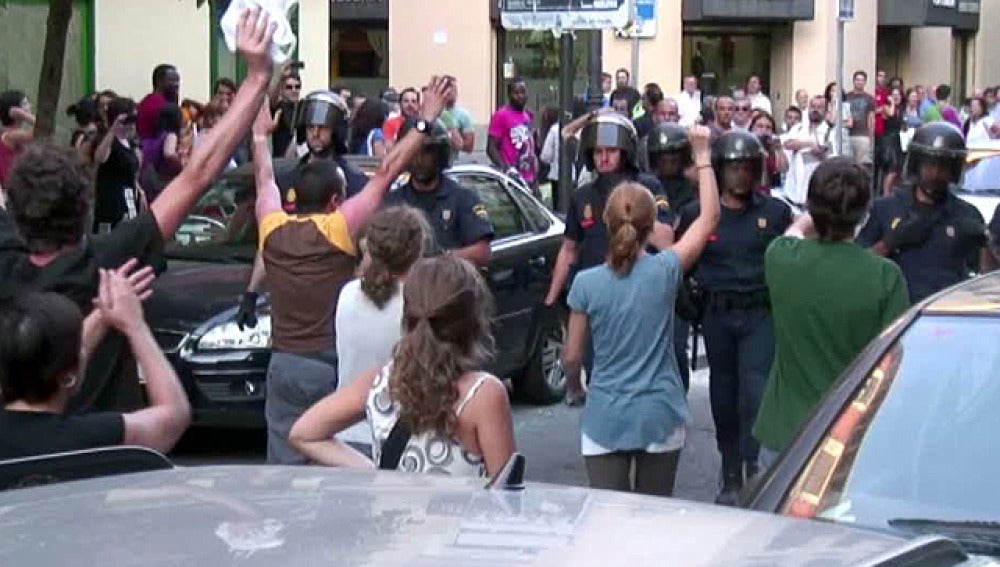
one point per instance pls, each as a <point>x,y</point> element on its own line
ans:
<point>266,515</point>
<point>223,368</point>
<point>981,182</point>
<point>906,440</point>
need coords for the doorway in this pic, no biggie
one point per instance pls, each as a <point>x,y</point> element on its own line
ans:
<point>723,59</point>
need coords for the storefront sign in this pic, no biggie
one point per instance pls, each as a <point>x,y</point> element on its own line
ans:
<point>564,14</point>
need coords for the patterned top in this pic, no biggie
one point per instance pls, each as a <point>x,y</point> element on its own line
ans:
<point>425,452</point>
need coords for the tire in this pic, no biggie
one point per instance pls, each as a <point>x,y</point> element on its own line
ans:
<point>543,381</point>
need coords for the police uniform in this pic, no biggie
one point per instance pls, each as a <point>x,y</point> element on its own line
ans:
<point>457,216</point>
<point>950,252</point>
<point>288,179</point>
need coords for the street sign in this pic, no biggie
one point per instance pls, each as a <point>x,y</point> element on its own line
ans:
<point>564,14</point>
<point>845,11</point>
<point>645,21</point>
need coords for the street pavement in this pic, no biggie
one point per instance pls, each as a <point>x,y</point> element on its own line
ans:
<point>548,436</point>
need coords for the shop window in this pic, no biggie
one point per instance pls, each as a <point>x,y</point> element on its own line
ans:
<point>724,61</point>
<point>359,56</point>
<point>535,58</point>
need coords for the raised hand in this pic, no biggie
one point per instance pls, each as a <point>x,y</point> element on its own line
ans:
<point>436,96</point>
<point>700,142</point>
<point>264,125</point>
<point>253,40</point>
<point>140,280</point>
<point>119,305</point>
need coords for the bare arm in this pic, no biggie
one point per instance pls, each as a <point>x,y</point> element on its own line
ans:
<point>313,433</point>
<point>103,150</point>
<point>493,151</point>
<point>573,350</point>
<point>23,136</point>
<point>358,209</point>
<point>571,129</point>
<point>490,408</point>
<point>170,148</point>
<point>662,236</point>
<point>468,141</point>
<point>479,253</point>
<point>560,273</point>
<point>211,155</point>
<point>268,194</point>
<point>257,274</point>
<point>693,242</point>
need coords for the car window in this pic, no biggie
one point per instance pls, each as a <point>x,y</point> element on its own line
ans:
<point>917,441</point>
<point>532,208</point>
<point>504,213</point>
<point>224,216</point>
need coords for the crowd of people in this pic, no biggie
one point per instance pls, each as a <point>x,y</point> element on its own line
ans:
<point>381,321</point>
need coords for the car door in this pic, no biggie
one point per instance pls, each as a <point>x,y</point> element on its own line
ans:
<point>509,271</point>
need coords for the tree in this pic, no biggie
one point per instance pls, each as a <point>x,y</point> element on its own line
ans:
<point>53,57</point>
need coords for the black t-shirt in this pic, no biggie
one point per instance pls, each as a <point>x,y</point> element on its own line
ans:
<point>285,133</point>
<point>115,196</point>
<point>29,433</point>
<point>111,381</point>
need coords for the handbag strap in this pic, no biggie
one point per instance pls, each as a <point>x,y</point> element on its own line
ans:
<point>392,448</point>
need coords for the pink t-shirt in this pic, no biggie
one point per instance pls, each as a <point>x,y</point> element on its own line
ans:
<point>513,128</point>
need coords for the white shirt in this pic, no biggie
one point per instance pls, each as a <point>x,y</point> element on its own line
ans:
<point>980,131</point>
<point>689,107</point>
<point>366,336</point>
<point>550,151</point>
<point>804,162</point>
<point>760,101</point>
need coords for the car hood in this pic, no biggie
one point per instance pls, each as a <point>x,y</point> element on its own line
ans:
<point>191,293</point>
<point>261,515</point>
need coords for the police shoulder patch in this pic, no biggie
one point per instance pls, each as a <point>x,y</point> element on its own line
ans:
<point>761,222</point>
<point>291,195</point>
<point>480,211</point>
<point>895,222</point>
<point>662,203</point>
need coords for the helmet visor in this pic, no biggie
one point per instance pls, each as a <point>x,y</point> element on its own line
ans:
<point>318,113</point>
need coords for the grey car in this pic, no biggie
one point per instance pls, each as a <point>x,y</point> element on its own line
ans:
<point>263,515</point>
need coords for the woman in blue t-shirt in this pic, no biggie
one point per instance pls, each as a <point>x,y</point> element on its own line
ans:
<point>636,407</point>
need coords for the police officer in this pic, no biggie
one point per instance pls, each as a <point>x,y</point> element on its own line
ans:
<point>668,149</point>
<point>460,221</point>
<point>935,237</point>
<point>737,325</point>
<point>609,146</point>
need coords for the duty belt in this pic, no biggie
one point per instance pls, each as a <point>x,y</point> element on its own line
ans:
<point>730,300</point>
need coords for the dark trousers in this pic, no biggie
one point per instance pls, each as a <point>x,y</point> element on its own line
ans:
<point>294,383</point>
<point>739,344</point>
<point>682,332</point>
<point>654,472</point>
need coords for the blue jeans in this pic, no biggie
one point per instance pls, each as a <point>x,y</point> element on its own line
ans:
<point>739,345</point>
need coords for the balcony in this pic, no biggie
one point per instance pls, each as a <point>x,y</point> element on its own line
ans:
<point>957,14</point>
<point>748,10</point>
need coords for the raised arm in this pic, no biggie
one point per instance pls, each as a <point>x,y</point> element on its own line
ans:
<point>253,41</point>
<point>690,246</point>
<point>268,194</point>
<point>358,209</point>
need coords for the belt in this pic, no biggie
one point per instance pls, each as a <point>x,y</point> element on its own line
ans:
<point>730,300</point>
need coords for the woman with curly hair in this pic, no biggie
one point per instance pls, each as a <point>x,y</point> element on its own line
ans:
<point>454,419</point>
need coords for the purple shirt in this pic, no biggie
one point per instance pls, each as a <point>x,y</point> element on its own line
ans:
<point>513,129</point>
<point>949,114</point>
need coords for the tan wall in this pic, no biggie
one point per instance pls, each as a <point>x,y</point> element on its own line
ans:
<point>134,36</point>
<point>860,39</point>
<point>814,58</point>
<point>987,61</point>
<point>930,58</point>
<point>659,57</point>
<point>314,44</point>
<point>464,46</point>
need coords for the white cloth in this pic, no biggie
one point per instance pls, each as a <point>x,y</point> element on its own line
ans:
<point>979,132</point>
<point>550,151</point>
<point>804,162</point>
<point>283,43</point>
<point>366,336</point>
<point>760,101</point>
<point>674,442</point>
<point>689,107</point>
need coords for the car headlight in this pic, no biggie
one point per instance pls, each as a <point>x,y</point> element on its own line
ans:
<point>228,336</point>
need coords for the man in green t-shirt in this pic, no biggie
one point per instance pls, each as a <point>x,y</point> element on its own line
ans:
<point>829,299</point>
<point>458,121</point>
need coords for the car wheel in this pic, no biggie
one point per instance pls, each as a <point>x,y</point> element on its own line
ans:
<point>543,380</point>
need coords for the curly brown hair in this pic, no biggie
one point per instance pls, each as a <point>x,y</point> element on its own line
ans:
<point>446,332</point>
<point>629,215</point>
<point>393,241</point>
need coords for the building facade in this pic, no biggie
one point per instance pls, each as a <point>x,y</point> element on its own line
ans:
<point>371,44</point>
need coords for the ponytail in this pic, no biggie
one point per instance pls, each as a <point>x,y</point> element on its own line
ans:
<point>424,372</point>
<point>624,248</point>
<point>629,215</point>
<point>377,282</point>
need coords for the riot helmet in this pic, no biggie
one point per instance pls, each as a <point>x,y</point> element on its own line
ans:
<point>611,130</point>
<point>668,138</point>
<point>938,142</point>
<point>324,108</point>
<point>437,141</point>
<point>736,146</point>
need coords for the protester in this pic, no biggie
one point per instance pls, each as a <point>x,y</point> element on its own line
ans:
<point>49,198</point>
<point>723,112</point>
<point>16,129</point>
<point>367,138</point>
<point>44,345</point>
<point>117,194</point>
<point>163,163</point>
<point>911,114</point>
<point>737,325</point>
<point>942,109</point>
<point>607,87</point>
<point>890,148</point>
<point>935,237</point>
<point>549,116</point>
<point>88,124</point>
<point>810,144</point>
<point>623,83</point>
<point>166,88</point>
<point>223,92</point>
<point>793,117</point>
<point>978,126</point>
<point>459,220</point>
<point>550,157</point>
<point>758,100</point>
<point>104,98</point>
<point>652,96</point>
<point>689,102</point>
<point>409,106</point>
<point>448,417</point>
<point>802,99</point>
<point>283,110</point>
<point>741,113</point>
<point>862,126</point>
<point>308,257</point>
<point>458,121</point>
<point>763,126</point>
<point>636,409</point>
<point>511,143</point>
<point>829,299</point>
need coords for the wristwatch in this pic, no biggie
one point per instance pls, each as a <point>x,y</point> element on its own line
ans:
<point>422,126</point>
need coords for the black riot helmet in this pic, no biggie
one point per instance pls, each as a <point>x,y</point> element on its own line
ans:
<point>611,130</point>
<point>669,138</point>
<point>437,140</point>
<point>737,145</point>
<point>937,141</point>
<point>324,108</point>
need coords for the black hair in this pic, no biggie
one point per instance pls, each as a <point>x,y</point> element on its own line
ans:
<point>990,91</point>
<point>624,70</point>
<point>794,108</point>
<point>8,101</point>
<point>84,111</point>
<point>606,75</point>
<point>119,106</point>
<point>653,93</point>
<point>224,82</point>
<point>370,116</point>
<point>409,90</point>
<point>942,92</point>
<point>170,119</point>
<point>860,72</point>
<point>49,195</point>
<point>318,183</point>
<point>40,336</point>
<point>514,82</point>
<point>838,197</point>
<point>160,73</point>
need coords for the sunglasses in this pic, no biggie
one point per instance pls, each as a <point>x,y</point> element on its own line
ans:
<point>293,87</point>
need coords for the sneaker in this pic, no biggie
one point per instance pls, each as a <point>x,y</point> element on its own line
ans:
<point>730,493</point>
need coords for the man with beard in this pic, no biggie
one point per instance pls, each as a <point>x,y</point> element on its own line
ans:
<point>459,219</point>
<point>935,237</point>
<point>610,146</point>
<point>737,325</point>
<point>166,89</point>
<point>409,105</point>
<point>511,144</point>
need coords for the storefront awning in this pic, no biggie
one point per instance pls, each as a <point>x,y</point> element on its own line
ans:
<point>748,10</point>
<point>958,14</point>
<point>341,10</point>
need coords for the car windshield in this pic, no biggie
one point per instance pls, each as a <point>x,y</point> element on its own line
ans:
<point>983,176</point>
<point>919,440</point>
<point>221,226</point>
